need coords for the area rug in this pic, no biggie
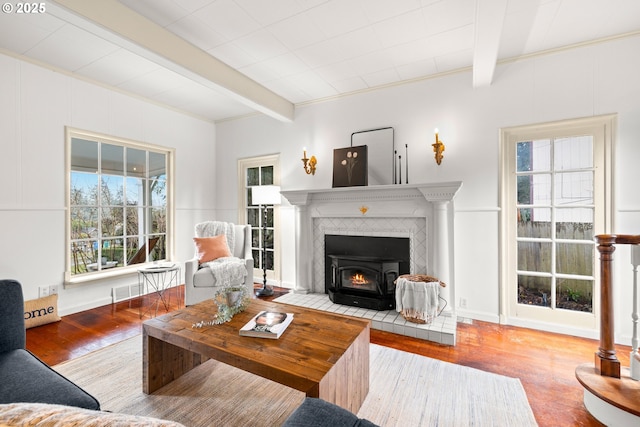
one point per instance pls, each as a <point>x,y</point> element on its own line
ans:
<point>405,390</point>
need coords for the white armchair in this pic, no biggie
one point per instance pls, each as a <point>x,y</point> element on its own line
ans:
<point>200,284</point>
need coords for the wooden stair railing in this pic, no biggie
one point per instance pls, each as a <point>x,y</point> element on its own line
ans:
<point>606,361</point>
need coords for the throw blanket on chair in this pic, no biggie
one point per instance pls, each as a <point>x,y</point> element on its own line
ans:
<point>216,228</point>
<point>226,271</point>
<point>418,300</point>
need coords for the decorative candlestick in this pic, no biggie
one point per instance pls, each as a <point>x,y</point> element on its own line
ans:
<point>406,161</point>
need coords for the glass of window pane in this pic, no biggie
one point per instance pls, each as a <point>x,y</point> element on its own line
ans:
<point>112,190</point>
<point>135,191</point>
<point>534,222</point>
<point>84,188</point>
<point>257,258</point>
<point>136,162</point>
<point>112,158</point>
<point>112,222</point>
<point>84,155</point>
<point>269,261</point>
<point>84,222</point>
<point>534,256</point>
<point>575,295</point>
<point>157,165</point>
<point>267,175</point>
<point>253,217</point>
<point>534,189</point>
<point>574,223</point>
<point>133,244</point>
<point>575,258</point>
<point>269,240</point>
<point>256,241</point>
<point>134,219</point>
<point>574,188</point>
<point>534,290</point>
<point>158,220</point>
<point>533,156</point>
<point>158,192</point>
<point>159,251</point>
<point>253,177</point>
<point>269,217</point>
<point>575,152</point>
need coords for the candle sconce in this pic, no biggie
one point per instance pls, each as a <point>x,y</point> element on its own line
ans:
<point>309,164</point>
<point>438,148</point>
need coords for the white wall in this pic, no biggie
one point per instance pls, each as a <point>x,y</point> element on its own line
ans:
<point>35,106</point>
<point>592,80</point>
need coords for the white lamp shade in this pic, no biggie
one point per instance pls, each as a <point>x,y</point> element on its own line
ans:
<point>266,195</point>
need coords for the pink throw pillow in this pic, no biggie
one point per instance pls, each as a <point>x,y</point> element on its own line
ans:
<point>211,248</point>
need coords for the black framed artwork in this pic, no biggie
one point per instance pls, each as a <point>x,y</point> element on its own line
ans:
<point>350,166</point>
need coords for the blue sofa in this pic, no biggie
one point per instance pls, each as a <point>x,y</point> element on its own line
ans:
<point>319,413</point>
<point>24,377</point>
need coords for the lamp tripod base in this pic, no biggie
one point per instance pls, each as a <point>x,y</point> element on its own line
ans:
<point>264,291</point>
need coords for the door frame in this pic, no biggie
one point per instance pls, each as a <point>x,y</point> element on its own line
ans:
<point>273,276</point>
<point>606,125</point>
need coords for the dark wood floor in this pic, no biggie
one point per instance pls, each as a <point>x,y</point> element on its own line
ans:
<point>545,363</point>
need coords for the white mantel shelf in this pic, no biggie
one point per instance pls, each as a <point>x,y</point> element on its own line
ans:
<point>439,191</point>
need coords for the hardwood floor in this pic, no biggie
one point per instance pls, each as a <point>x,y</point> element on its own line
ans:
<point>545,363</point>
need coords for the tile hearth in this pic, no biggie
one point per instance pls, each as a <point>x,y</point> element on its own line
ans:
<point>442,330</point>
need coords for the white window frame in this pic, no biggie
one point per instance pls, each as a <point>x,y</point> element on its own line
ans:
<point>71,133</point>
<point>563,321</point>
<point>273,276</point>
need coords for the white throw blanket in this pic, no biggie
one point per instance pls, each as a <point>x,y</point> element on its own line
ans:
<point>226,271</point>
<point>418,300</point>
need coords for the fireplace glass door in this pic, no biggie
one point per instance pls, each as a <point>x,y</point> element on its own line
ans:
<point>360,279</point>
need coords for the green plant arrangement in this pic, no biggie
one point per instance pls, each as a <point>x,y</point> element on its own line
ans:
<point>230,301</point>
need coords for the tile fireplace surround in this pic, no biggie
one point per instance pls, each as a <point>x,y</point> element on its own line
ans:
<point>421,212</point>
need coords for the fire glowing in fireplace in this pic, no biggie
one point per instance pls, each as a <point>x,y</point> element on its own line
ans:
<point>359,279</point>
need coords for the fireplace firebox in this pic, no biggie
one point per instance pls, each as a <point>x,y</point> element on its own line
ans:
<point>361,270</point>
<point>363,281</point>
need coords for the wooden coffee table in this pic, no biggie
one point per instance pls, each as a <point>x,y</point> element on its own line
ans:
<point>323,355</point>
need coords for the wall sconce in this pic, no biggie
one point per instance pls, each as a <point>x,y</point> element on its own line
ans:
<point>309,164</point>
<point>438,148</point>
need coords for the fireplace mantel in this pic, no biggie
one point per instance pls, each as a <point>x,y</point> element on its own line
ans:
<point>430,201</point>
<point>442,191</point>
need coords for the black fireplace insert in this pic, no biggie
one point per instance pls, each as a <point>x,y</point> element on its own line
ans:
<point>361,271</point>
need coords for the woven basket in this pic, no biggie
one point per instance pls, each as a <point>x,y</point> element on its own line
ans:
<point>419,278</point>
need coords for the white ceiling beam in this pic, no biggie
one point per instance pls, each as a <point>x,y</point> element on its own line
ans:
<point>490,16</point>
<point>132,31</point>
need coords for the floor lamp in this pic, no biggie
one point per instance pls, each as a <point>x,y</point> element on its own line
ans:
<point>265,195</point>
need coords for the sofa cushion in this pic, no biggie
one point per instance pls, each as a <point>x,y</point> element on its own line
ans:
<point>41,414</point>
<point>25,378</point>
<point>41,311</point>
<point>211,248</point>
<point>320,413</point>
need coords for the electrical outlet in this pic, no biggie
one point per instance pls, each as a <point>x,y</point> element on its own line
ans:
<point>44,291</point>
<point>463,303</point>
<point>53,289</point>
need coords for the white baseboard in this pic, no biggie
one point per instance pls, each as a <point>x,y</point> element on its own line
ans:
<point>84,306</point>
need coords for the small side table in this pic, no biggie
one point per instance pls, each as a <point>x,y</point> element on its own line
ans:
<point>159,278</point>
